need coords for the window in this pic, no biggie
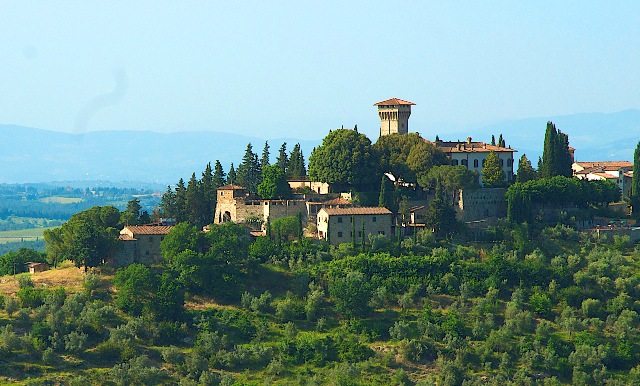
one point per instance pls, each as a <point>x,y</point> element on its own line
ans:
<point>464,162</point>
<point>161,238</point>
<point>339,220</point>
<point>373,219</point>
<point>483,161</point>
<point>475,163</point>
<point>454,162</point>
<point>501,162</point>
<point>509,162</point>
<point>339,234</point>
<point>381,233</point>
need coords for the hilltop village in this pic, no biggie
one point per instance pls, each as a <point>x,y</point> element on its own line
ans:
<point>334,210</point>
<point>408,261</point>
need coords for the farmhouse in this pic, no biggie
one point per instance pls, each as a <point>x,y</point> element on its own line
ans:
<point>337,225</point>
<point>618,172</point>
<point>141,244</point>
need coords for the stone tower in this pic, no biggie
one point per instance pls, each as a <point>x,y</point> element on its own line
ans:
<point>394,116</point>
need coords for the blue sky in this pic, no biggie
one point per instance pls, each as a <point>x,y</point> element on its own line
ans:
<point>299,68</point>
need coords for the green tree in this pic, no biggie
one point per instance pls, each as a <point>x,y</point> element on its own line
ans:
<point>388,197</point>
<point>422,157</point>
<point>249,173</point>
<point>264,160</point>
<point>180,214</point>
<point>131,215</point>
<point>441,217</point>
<point>168,203</point>
<point>136,287</point>
<point>283,159</point>
<point>351,294</point>
<point>526,172</point>
<point>556,158</point>
<point>345,157</point>
<point>394,151</point>
<point>182,237</point>
<point>449,179</point>
<point>634,193</point>
<point>274,183</point>
<point>219,176</point>
<point>195,203</point>
<point>232,176</point>
<point>492,173</point>
<point>296,167</point>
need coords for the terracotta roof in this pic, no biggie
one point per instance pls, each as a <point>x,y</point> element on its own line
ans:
<point>126,237</point>
<point>338,201</point>
<point>606,165</point>
<point>469,147</point>
<point>605,176</point>
<point>231,187</point>
<point>394,101</point>
<point>356,211</point>
<point>148,230</point>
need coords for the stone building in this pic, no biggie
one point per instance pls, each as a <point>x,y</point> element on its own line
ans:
<point>140,244</point>
<point>394,116</point>
<point>337,225</point>
<point>481,204</point>
<point>472,155</point>
<point>235,205</point>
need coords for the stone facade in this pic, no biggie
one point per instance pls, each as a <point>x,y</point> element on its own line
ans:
<point>314,186</point>
<point>479,204</point>
<point>337,224</point>
<point>394,116</point>
<point>234,205</point>
<point>140,244</point>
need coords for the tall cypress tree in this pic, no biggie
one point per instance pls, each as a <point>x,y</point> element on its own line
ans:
<point>232,177</point>
<point>283,159</point>
<point>249,173</point>
<point>634,193</point>
<point>296,167</point>
<point>264,161</point>
<point>218,175</point>
<point>549,156</point>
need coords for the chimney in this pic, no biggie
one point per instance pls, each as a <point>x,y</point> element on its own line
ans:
<point>469,140</point>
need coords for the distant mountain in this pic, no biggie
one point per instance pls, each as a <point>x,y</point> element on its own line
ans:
<point>595,136</point>
<point>35,155</point>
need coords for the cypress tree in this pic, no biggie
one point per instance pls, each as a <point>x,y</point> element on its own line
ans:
<point>264,161</point>
<point>493,140</point>
<point>634,193</point>
<point>232,176</point>
<point>549,156</point>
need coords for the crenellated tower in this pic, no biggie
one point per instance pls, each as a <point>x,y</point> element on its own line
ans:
<point>394,116</point>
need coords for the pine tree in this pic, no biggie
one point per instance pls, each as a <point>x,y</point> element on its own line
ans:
<point>264,161</point>
<point>180,206</point>
<point>634,193</point>
<point>492,173</point>
<point>195,203</point>
<point>296,167</point>
<point>283,159</point>
<point>208,191</point>
<point>218,175</point>
<point>232,177</point>
<point>168,203</point>
<point>525,170</point>
<point>249,174</point>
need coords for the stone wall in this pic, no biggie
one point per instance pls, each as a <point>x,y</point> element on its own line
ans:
<point>474,205</point>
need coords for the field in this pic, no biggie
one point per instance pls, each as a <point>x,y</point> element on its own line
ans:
<point>61,200</point>
<point>66,275</point>
<point>22,234</point>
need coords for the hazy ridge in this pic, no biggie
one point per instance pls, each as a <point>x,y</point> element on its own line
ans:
<point>36,155</point>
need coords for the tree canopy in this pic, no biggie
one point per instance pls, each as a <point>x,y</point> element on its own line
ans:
<point>274,183</point>
<point>493,175</point>
<point>345,156</point>
<point>526,172</point>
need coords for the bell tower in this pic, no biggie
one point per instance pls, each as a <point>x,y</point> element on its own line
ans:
<point>394,116</point>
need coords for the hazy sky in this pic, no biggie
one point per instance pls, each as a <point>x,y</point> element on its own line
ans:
<point>300,68</point>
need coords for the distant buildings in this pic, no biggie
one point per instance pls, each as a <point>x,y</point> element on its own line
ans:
<point>141,244</point>
<point>472,155</point>
<point>618,172</point>
<point>337,225</point>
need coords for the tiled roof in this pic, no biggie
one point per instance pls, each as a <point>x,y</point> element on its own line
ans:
<point>337,201</point>
<point>356,211</point>
<point>605,176</point>
<point>126,237</point>
<point>231,187</point>
<point>148,230</point>
<point>394,101</point>
<point>469,147</point>
<point>606,165</point>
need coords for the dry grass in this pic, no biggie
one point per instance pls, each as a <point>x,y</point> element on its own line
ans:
<point>66,275</point>
<point>201,303</point>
